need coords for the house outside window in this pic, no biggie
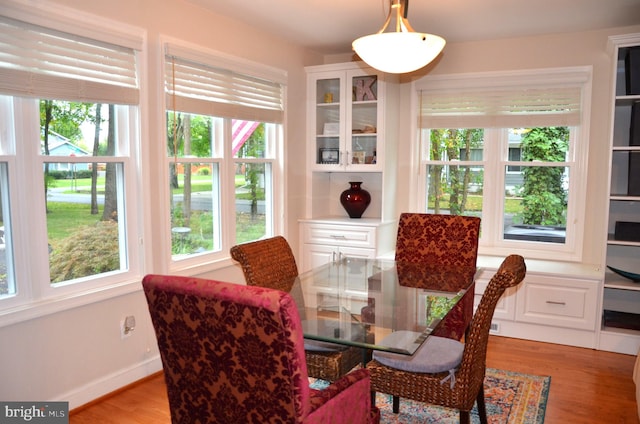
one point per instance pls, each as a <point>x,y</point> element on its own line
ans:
<point>224,142</point>
<point>509,149</point>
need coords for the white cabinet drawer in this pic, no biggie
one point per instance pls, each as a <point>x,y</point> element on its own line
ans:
<point>558,302</point>
<point>340,235</point>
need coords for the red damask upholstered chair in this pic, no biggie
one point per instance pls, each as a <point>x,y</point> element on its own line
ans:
<point>270,263</point>
<point>447,240</point>
<point>443,371</point>
<point>235,354</point>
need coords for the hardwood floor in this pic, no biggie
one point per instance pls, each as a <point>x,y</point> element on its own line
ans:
<point>587,386</point>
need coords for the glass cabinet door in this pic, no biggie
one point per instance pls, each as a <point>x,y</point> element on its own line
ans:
<point>346,121</point>
<point>329,122</point>
<point>363,120</point>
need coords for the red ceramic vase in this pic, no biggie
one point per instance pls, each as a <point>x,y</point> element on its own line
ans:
<point>355,199</point>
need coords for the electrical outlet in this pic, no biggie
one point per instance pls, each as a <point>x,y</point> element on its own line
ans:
<point>127,325</point>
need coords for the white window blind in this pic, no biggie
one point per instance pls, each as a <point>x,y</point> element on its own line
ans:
<point>492,101</point>
<point>204,89</point>
<point>45,63</point>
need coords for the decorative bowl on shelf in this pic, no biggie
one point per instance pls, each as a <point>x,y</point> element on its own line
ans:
<point>626,274</point>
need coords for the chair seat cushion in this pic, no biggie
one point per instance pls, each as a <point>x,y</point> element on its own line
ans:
<point>437,354</point>
<point>318,346</point>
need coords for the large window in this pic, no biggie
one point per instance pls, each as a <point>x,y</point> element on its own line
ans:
<point>509,149</point>
<point>69,137</point>
<point>224,136</point>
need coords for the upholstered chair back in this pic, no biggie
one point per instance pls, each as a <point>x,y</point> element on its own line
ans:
<point>438,239</point>
<point>231,353</point>
<point>442,240</point>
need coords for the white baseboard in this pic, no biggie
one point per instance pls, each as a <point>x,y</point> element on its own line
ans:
<point>110,383</point>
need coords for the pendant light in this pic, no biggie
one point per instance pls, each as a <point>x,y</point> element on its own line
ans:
<point>401,51</point>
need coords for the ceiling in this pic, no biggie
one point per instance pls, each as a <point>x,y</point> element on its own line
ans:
<point>329,26</point>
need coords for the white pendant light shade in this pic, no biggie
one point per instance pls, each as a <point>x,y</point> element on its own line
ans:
<point>401,51</point>
<point>398,52</point>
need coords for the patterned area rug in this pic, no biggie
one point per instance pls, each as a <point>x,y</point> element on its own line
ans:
<point>510,397</point>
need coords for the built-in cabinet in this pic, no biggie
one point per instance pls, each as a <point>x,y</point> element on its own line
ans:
<point>552,305</point>
<point>329,240</point>
<point>621,296</point>
<point>352,125</point>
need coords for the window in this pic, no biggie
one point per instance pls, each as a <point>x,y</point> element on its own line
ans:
<point>224,136</point>
<point>507,148</point>
<point>69,118</point>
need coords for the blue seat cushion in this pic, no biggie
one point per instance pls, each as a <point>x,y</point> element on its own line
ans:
<point>437,354</point>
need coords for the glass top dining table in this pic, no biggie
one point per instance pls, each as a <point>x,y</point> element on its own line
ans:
<point>360,302</point>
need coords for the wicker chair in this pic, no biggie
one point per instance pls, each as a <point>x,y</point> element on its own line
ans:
<point>456,373</point>
<point>270,263</point>
<point>234,354</point>
<point>445,240</point>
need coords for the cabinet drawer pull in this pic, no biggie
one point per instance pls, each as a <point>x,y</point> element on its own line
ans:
<point>334,236</point>
<point>551,302</point>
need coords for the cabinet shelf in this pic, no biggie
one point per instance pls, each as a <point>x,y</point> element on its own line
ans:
<point>615,281</point>
<point>626,148</point>
<point>611,240</point>
<point>627,100</point>
<point>624,198</point>
<point>622,285</point>
<point>621,331</point>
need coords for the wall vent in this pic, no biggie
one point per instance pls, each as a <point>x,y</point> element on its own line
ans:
<point>495,328</point>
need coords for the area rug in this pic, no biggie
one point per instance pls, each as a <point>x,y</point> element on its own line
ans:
<point>510,397</point>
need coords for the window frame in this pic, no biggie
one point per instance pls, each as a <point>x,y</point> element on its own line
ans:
<point>35,295</point>
<point>225,159</point>
<point>496,160</point>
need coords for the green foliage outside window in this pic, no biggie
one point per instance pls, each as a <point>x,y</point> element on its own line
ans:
<point>89,250</point>
<point>544,196</point>
<point>449,144</point>
<point>438,306</point>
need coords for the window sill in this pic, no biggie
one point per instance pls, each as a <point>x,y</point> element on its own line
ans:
<point>39,308</point>
<point>547,267</point>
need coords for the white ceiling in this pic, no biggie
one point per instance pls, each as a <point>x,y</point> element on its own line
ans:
<point>329,26</point>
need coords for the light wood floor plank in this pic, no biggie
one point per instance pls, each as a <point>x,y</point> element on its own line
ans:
<point>587,387</point>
